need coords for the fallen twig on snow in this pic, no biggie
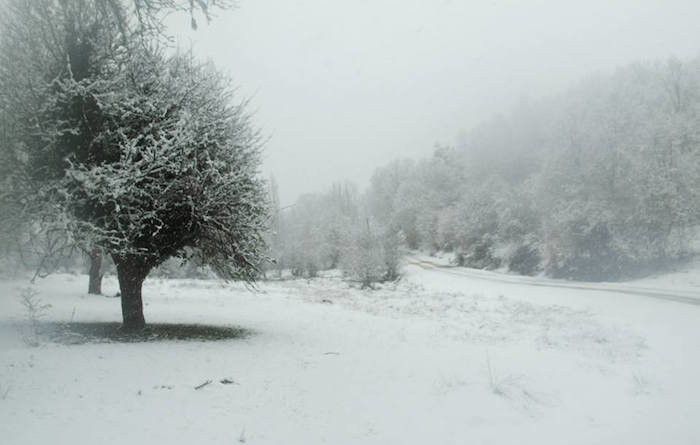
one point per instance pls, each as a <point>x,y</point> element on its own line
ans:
<point>202,385</point>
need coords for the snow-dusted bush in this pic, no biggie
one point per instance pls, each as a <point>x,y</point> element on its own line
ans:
<point>393,242</point>
<point>373,256</point>
<point>35,310</point>
<point>525,259</point>
<point>364,260</point>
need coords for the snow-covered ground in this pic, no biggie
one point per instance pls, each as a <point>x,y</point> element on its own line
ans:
<point>438,358</point>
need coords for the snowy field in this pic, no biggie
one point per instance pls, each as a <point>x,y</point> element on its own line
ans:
<point>438,358</point>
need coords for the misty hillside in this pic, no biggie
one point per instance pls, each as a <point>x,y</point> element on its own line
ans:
<point>601,182</point>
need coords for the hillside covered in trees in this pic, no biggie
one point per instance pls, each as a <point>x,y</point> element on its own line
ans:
<point>600,182</point>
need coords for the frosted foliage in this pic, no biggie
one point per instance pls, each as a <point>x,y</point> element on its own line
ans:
<point>601,182</point>
<point>335,230</point>
<point>183,172</point>
<point>314,233</point>
<point>147,155</point>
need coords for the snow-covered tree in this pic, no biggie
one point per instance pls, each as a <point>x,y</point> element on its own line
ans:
<point>180,171</point>
<point>144,155</point>
<point>43,38</point>
<point>364,260</point>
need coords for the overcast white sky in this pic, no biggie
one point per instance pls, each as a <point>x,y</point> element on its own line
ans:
<point>342,87</point>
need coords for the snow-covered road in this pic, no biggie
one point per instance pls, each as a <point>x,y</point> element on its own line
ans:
<point>691,296</point>
<point>434,359</point>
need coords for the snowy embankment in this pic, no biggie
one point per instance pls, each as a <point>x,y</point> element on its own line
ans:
<point>437,358</point>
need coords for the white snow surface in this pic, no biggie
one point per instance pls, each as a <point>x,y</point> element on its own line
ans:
<point>437,358</point>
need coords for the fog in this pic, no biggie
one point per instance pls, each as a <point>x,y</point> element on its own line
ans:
<point>343,87</point>
<point>364,222</point>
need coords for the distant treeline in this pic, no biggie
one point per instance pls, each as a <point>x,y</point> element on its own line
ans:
<point>601,182</point>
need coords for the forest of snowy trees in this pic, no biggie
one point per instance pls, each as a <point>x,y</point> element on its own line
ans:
<point>601,182</point>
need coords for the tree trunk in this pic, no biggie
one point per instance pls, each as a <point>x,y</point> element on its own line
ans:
<point>95,284</point>
<point>131,272</point>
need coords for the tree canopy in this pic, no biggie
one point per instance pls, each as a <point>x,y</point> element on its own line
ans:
<point>117,144</point>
